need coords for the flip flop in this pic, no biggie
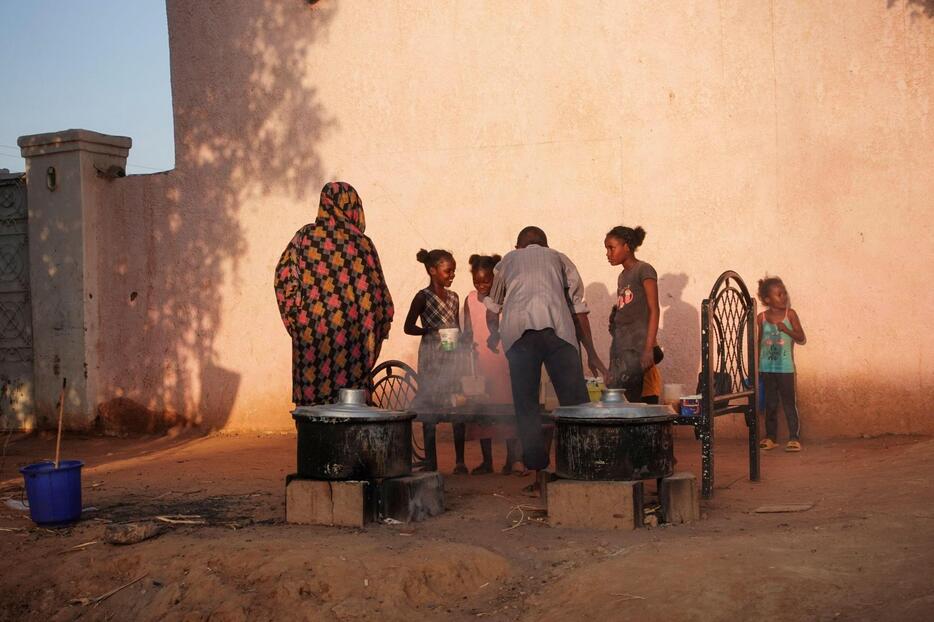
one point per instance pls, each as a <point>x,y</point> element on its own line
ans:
<point>460,469</point>
<point>482,469</point>
<point>793,446</point>
<point>767,444</point>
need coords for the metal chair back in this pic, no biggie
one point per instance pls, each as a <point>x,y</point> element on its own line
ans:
<point>393,385</point>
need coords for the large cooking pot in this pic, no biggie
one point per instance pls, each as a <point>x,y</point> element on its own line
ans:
<point>614,439</point>
<point>350,440</point>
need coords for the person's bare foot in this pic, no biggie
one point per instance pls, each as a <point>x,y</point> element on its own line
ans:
<point>460,469</point>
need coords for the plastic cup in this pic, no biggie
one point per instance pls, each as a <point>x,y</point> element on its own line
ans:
<point>448,338</point>
<point>672,393</point>
<point>595,388</point>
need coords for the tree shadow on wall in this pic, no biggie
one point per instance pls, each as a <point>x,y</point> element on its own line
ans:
<point>245,124</point>
<point>916,8</point>
<point>679,332</point>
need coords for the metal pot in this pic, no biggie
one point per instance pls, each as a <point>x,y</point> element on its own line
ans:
<point>614,440</point>
<point>350,440</point>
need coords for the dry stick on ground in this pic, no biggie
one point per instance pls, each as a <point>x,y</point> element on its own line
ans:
<point>783,507</point>
<point>625,550</point>
<point>522,509</point>
<point>515,523</point>
<point>80,547</point>
<point>494,611</point>
<point>176,521</point>
<point>97,599</point>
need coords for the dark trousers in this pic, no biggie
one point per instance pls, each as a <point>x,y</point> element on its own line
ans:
<point>563,363</point>
<point>780,387</point>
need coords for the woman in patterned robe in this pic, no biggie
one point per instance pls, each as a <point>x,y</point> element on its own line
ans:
<point>333,299</point>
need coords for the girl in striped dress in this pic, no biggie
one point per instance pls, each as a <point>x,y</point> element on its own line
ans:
<point>436,307</point>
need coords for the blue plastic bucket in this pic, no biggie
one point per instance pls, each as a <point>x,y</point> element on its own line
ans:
<point>54,494</point>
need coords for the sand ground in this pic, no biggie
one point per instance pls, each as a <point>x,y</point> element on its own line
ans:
<point>865,551</point>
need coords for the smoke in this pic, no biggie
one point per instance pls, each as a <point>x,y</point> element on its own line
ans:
<point>439,373</point>
<point>458,378</point>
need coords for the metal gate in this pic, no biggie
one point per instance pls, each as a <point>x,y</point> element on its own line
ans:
<point>16,380</point>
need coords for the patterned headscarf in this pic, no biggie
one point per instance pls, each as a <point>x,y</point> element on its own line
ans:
<point>333,298</point>
<point>341,203</point>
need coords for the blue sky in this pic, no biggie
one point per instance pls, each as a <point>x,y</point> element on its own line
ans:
<point>100,65</point>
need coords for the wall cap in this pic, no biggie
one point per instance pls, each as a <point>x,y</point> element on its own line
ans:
<point>74,140</point>
<point>6,175</point>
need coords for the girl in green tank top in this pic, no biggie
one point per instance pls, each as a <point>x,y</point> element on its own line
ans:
<point>779,330</point>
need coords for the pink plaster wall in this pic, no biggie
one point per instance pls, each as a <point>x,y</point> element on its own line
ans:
<point>766,137</point>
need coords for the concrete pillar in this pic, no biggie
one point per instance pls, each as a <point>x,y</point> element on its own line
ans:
<point>67,173</point>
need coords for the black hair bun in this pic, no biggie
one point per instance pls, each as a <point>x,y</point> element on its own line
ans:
<point>638,236</point>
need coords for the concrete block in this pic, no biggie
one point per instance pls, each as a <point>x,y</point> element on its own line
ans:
<point>320,502</point>
<point>679,497</point>
<point>412,498</point>
<point>595,505</point>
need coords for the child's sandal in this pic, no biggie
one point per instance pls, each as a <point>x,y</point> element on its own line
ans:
<point>767,444</point>
<point>793,446</point>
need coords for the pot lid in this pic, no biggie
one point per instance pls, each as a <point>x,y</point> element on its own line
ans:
<point>613,407</point>
<point>350,407</point>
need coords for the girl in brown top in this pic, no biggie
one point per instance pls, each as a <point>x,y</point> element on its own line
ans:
<point>634,317</point>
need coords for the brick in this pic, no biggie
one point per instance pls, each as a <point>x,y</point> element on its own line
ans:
<point>680,501</point>
<point>320,502</point>
<point>595,505</point>
<point>412,498</point>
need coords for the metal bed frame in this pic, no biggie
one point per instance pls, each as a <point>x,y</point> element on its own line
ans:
<point>729,371</point>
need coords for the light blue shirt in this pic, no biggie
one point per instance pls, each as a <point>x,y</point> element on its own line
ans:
<point>776,352</point>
